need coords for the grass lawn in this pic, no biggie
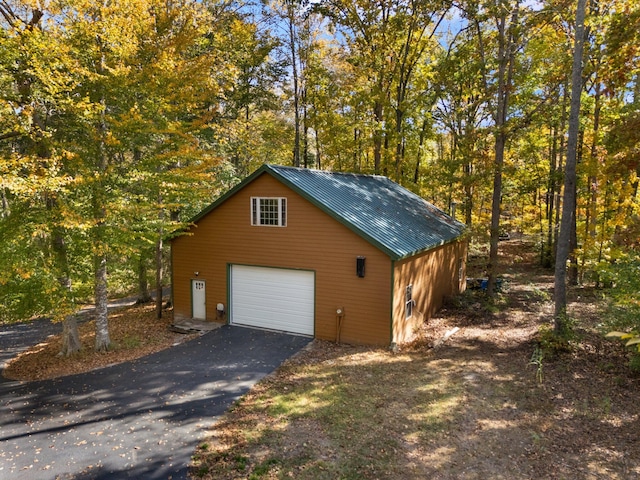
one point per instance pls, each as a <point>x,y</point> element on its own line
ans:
<point>475,408</point>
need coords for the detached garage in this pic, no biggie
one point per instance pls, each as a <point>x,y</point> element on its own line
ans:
<point>342,257</point>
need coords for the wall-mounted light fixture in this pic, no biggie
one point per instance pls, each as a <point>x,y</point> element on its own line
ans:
<point>196,273</point>
<point>360,266</point>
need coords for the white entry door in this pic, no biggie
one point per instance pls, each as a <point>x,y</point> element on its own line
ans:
<point>273,298</point>
<point>198,299</point>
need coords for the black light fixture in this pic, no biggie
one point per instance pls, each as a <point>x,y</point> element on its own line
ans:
<point>360,266</point>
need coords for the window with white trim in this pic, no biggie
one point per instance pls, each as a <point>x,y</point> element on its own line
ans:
<point>269,211</point>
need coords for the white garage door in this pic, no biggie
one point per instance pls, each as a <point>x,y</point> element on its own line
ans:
<point>273,298</point>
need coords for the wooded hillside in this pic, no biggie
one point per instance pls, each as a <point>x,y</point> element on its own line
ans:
<point>120,119</point>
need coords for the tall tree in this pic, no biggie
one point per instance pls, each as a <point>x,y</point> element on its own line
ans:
<point>507,19</point>
<point>504,32</point>
<point>569,205</point>
<point>388,41</point>
<point>462,110</point>
<point>32,84</point>
<point>289,15</point>
<point>123,94</point>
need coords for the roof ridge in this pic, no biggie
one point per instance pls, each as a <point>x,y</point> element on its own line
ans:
<point>330,172</point>
<point>391,217</point>
<point>403,190</point>
<point>398,221</point>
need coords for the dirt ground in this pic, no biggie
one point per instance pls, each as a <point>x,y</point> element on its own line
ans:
<point>572,415</point>
<point>483,405</point>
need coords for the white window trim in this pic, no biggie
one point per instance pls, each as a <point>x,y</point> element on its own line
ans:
<point>254,207</point>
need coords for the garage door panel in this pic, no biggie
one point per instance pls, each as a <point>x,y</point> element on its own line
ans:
<point>277,299</point>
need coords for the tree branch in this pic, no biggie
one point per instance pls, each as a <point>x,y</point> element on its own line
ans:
<point>5,136</point>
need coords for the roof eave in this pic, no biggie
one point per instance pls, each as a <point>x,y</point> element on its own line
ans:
<point>392,254</point>
<point>228,194</point>
<point>221,199</point>
<point>431,246</point>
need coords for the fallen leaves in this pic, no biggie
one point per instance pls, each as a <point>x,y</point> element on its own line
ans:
<point>135,332</point>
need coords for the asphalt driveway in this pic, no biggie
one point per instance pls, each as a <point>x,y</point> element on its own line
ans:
<point>140,419</point>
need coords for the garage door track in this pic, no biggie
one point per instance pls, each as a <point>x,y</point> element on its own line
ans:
<point>140,419</point>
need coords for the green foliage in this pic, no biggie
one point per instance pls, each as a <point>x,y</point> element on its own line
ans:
<point>104,140</point>
<point>552,342</point>
<point>623,315</point>
<point>263,469</point>
<point>537,358</point>
<point>130,342</point>
<point>202,471</point>
<point>634,362</point>
<point>240,462</point>
<point>631,339</point>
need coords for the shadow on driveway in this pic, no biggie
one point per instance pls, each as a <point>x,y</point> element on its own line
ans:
<point>18,337</point>
<point>140,419</point>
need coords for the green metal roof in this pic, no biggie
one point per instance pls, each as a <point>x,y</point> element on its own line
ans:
<point>395,220</point>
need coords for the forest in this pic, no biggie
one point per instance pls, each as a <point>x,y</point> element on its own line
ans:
<point>121,119</point>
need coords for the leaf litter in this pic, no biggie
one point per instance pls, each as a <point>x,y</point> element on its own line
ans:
<point>135,332</point>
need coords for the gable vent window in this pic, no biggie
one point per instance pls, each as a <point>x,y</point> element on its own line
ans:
<point>269,211</point>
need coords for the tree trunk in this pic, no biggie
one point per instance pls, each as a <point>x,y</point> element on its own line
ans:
<point>102,322</point>
<point>159,275</point>
<point>318,156</point>
<point>70,336</point>
<point>569,204</point>
<point>294,74</point>
<point>561,151</point>
<point>572,274</point>
<point>423,134</point>
<point>468,192</point>
<point>399,140</point>
<point>547,257</point>
<point>305,130</point>
<point>591,212</point>
<point>143,284</point>
<point>377,137</point>
<point>4,204</point>
<point>592,209</point>
<point>101,293</point>
<point>505,75</point>
<point>495,213</point>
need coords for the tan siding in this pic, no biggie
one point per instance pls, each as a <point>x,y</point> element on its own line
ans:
<point>434,275</point>
<point>312,241</point>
